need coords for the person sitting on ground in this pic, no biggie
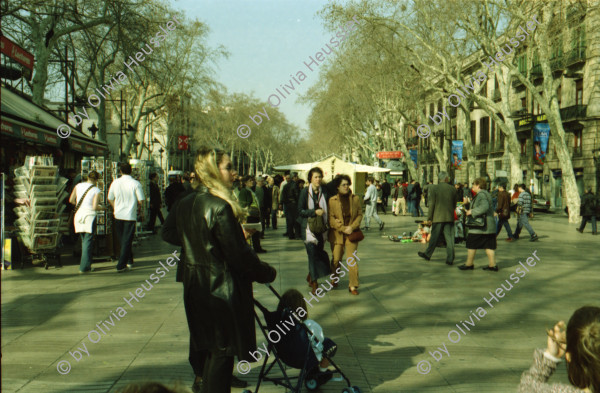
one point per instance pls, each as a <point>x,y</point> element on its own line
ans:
<point>582,353</point>
<point>421,235</point>
<point>294,301</point>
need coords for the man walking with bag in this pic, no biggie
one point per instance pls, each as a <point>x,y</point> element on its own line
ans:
<point>442,202</point>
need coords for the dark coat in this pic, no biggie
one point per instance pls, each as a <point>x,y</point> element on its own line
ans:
<point>170,235</point>
<point>503,203</point>
<point>155,199</point>
<point>289,193</point>
<point>172,192</point>
<point>387,189</point>
<point>218,271</point>
<point>442,202</point>
<point>410,192</point>
<point>304,212</point>
<point>588,205</point>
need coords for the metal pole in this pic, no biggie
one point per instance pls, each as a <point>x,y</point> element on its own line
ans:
<point>531,175</point>
<point>121,128</point>
<point>66,88</point>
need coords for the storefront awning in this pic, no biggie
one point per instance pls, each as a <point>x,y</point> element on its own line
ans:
<point>22,119</point>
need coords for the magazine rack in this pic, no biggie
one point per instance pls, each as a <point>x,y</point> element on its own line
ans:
<point>40,195</point>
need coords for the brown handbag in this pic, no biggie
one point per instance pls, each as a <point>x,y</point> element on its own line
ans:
<point>356,236</point>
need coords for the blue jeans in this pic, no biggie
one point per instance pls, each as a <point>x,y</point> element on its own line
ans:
<point>584,221</point>
<point>87,242</point>
<point>417,209</point>
<point>125,232</point>
<point>411,206</point>
<point>503,222</point>
<point>523,221</point>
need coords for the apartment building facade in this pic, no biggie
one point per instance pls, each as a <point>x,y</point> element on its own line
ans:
<point>576,61</point>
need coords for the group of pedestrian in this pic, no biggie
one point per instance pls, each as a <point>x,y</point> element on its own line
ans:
<point>408,197</point>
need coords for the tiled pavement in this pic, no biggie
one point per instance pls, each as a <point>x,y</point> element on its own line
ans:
<point>405,309</point>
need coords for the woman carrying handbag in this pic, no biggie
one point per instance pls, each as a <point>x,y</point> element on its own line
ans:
<point>482,227</point>
<point>345,215</point>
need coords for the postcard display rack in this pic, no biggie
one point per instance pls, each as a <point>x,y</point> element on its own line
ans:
<point>104,223</point>
<point>39,220</point>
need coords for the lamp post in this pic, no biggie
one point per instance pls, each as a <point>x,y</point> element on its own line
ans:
<point>161,151</point>
<point>93,129</point>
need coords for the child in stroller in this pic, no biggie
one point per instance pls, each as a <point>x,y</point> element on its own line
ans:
<point>302,346</point>
<point>292,299</point>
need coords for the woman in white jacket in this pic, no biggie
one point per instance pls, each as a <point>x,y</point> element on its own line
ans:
<point>86,198</point>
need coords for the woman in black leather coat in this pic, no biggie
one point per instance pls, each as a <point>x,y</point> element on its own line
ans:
<point>217,269</point>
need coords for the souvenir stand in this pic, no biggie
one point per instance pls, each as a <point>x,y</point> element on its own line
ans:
<point>103,245</point>
<point>40,196</point>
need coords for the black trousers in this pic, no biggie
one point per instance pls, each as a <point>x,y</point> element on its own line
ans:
<point>153,214</point>
<point>256,241</point>
<point>217,373</point>
<point>293,227</point>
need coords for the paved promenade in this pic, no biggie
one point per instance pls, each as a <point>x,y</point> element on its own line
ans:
<point>405,310</point>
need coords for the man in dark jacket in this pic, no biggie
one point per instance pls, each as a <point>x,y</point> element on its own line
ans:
<point>503,212</point>
<point>410,197</point>
<point>155,203</point>
<point>386,189</point>
<point>589,204</point>
<point>229,304</point>
<point>173,191</point>
<point>289,197</point>
<point>442,202</point>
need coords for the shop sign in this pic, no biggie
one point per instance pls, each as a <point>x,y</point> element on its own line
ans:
<point>17,53</point>
<point>29,133</point>
<point>7,128</point>
<point>383,155</point>
<point>51,139</point>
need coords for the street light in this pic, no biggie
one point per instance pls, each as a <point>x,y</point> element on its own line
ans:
<point>93,129</point>
<point>161,151</point>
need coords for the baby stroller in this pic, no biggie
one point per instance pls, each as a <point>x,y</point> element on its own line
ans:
<point>295,341</point>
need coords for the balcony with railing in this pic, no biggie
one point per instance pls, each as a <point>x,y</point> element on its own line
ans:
<point>575,56</point>
<point>577,152</point>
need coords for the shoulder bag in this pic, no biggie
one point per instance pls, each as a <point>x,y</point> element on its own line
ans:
<point>71,221</point>
<point>317,224</point>
<point>356,236</point>
<point>475,222</point>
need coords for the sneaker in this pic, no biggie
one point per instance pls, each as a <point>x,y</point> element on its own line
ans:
<point>129,266</point>
<point>533,238</point>
<point>238,383</point>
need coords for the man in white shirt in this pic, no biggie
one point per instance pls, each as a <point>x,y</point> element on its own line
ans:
<point>371,204</point>
<point>125,196</point>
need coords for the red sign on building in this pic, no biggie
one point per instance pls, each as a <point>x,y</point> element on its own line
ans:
<point>17,53</point>
<point>182,142</point>
<point>383,155</point>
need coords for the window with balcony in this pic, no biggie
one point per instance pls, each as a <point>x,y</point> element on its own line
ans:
<point>431,109</point>
<point>579,92</point>
<point>523,143</point>
<point>524,102</point>
<point>559,94</point>
<point>493,132</point>
<point>440,106</point>
<point>484,130</point>
<point>454,133</point>
<point>473,132</point>
<point>522,63</point>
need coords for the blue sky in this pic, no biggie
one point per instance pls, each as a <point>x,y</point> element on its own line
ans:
<point>267,40</point>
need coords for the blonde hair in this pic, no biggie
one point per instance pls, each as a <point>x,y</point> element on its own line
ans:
<point>207,174</point>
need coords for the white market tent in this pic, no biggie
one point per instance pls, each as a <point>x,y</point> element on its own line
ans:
<point>333,165</point>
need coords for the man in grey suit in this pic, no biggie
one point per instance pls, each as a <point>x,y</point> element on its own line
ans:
<point>442,202</point>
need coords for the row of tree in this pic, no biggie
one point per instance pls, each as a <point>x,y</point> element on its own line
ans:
<point>407,55</point>
<point>173,86</point>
